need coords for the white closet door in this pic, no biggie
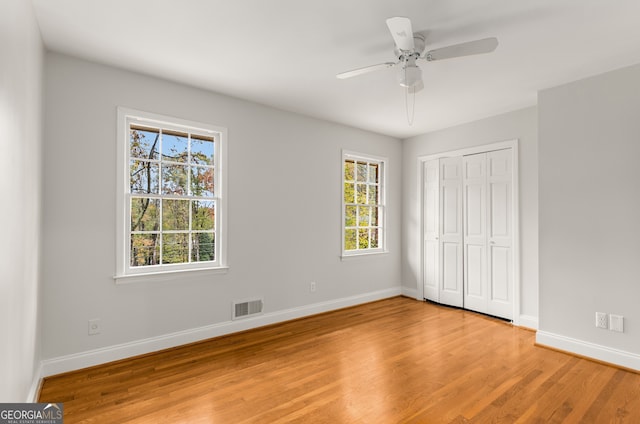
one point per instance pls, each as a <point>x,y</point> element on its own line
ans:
<point>475,232</point>
<point>451,279</point>
<point>431,178</point>
<point>500,233</point>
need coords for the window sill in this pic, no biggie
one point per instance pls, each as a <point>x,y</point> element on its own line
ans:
<point>167,275</point>
<point>363,254</point>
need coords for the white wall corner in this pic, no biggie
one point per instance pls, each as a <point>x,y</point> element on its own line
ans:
<point>528,321</point>
<point>90,358</point>
<point>410,292</point>
<point>34,390</point>
<point>590,350</point>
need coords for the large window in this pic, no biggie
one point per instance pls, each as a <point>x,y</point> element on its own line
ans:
<point>171,194</point>
<point>363,204</point>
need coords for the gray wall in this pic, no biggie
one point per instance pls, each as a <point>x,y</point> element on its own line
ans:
<point>284,211</point>
<point>521,125</point>
<point>590,207</point>
<point>21,54</point>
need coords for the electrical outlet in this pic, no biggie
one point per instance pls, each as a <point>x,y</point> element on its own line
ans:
<point>94,326</point>
<point>312,286</point>
<point>616,323</point>
<point>602,320</point>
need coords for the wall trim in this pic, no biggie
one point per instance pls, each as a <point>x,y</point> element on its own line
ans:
<point>90,358</point>
<point>598,352</point>
<point>36,384</point>
<point>410,292</point>
<point>528,321</point>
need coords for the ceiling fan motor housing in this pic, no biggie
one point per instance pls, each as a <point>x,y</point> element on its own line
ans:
<point>410,74</point>
<point>419,45</point>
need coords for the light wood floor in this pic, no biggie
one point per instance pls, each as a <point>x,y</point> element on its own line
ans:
<point>393,361</point>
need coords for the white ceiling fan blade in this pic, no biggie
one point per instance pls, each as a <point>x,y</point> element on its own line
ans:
<point>401,32</point>
<point>486,45</point>
<point>365,70</point>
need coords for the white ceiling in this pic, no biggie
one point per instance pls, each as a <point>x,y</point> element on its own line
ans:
<point>285,53</point>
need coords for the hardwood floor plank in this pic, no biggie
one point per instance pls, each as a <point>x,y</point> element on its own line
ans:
<point>605,406</point>
<point>391,361</point>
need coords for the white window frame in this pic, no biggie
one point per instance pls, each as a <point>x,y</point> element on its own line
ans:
<point>124,271</point>
<point>382,187</point>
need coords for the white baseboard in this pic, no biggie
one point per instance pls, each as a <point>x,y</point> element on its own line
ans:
<point>139,347</point>
<point>409,292</point>
<point>528,321</point>
<point>32,397</point>
<point>590,350</point>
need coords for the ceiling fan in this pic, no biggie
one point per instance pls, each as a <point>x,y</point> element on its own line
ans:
<point>409,48</point>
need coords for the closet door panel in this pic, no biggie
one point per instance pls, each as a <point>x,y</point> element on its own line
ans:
<point>451,279</point>
<point>431,178</point>
<point>500,274</point>
<point>474,211</point>
<point>500,232</point>
<point>475,232</point>
<point>474,271</point>
<point>500,205</point>
<point>431,271</point>
<point>451,215</point>
<point>451,268</point>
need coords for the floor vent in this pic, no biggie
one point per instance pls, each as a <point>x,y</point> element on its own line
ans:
<point>247,308</point>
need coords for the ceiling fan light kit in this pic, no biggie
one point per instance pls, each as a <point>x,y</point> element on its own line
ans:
<point>410,75</point>
<point>410,47</point>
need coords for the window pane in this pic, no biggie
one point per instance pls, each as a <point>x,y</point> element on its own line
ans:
<point>143,142</point>
<point>361,194</point>
<point>373,242</point>
<point>143,177</point>
<point>174,146</point>
<point>350,239</point>
<point>202,149</point>
<point>175,215</point>
<point>374,216</point>
<point>175,248</point>
<point>202,247</point>
<point>145,249</point>
<point>363,238</point>
<point>363,216</point>
<point>372,197</point>
<point>373,173</point>
<point>144,214</point>
<point>362,171</point>
<point>203,215</point>
<point>349,193</point>
<point>201,181</point>
<point>348,170</point>
<point>174,179</point>
<point>350,216</point>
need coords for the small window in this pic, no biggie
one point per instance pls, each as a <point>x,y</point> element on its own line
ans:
<point>363,200</point>
<point>172,194</point>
